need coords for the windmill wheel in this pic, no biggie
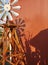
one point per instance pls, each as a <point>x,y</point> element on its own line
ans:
<point>20,23</point>
<point>7,9</point>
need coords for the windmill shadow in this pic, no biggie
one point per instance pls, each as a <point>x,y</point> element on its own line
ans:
<point>40,41</point>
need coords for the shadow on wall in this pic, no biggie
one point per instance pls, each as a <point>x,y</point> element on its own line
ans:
<point>40,41</point>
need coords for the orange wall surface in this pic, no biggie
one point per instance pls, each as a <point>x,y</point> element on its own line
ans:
<point>35,14</point>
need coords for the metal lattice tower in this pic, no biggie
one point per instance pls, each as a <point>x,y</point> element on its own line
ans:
<point>12,51</point>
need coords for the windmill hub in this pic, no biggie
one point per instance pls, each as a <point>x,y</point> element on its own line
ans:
<point>7,7</point>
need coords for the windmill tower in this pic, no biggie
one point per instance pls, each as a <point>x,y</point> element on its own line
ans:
<point>12,51</point>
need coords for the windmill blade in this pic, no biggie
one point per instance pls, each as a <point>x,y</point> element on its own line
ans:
<point>2,14</point>
<point>3,1</point>
<point>16,7</point>
<point>9,16</point>
<point>14,13</point>
<point>21,29</point>
<point>1,9</point>
<point>4,17</point>
<point>1,5</point>
<point>2,22</point>
<point>17,21</point>
<point>22,22</point>
<point>15,1</point>
<point>23,25</point>
<point>20,19</point>
<point>18,31</point>
<point>7,1</point>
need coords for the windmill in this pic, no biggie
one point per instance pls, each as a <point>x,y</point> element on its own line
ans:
<point>20,25</point>
<point>13,52</point>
